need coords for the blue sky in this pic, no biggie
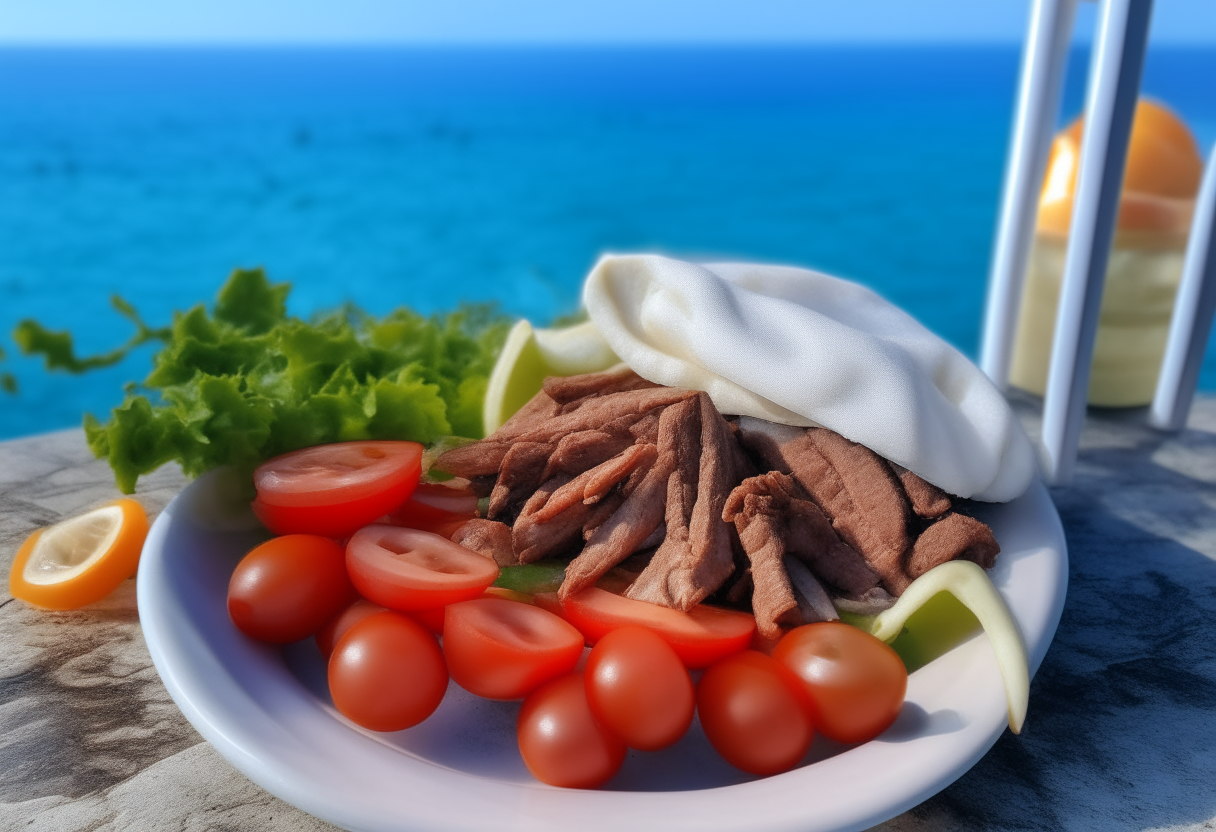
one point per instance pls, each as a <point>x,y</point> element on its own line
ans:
<point>553,21</point>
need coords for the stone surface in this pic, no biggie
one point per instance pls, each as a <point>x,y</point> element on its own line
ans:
<point>1119,735</point>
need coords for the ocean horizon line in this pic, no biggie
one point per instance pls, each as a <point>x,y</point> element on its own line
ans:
<point>551,45</point>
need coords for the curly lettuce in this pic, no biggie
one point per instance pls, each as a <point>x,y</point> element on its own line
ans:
<point>246,381</point>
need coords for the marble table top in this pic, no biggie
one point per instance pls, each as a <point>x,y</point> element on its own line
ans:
<point>1121,733</point>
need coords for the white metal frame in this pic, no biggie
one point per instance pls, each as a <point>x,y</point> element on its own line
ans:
<point>1114,82</point>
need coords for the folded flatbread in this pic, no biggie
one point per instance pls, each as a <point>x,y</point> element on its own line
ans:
<point>798,347</point>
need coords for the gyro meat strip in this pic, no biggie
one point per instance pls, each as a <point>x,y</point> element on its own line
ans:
<point>954,536</point>
<point>682,576</point>
<point>568,389</point>
<point>539,409</point>
<point>710,535</point>
<point>779,488</point>
<point>605,508</point>
<point>645,429</point>
<point>813,540</point>
<point>632,526</point>
<point>679,447</point>
<point>928,501</point>
<point>484,457</point>
<point>601,410</point>
<point>603,477</point>
<point>626,530</point>
<point>760,507</point>
<point>810,534</point>
<point>601,511</point>
<point>657,536</point>
<point>866,503</point>
<point>487,537</point>
<point>586,449</point>
<point>591,486</point>
<point>763,535</point>
<point>521,474</point>
<point>532,540</point>
<point>479,459</point>
<point>856,489</point>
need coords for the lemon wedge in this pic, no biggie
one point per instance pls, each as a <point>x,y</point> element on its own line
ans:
<point>530,354</point>
<point>970,585</point>
<point>80,560</point>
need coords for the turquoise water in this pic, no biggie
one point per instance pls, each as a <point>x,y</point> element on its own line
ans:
<point>429,177</point>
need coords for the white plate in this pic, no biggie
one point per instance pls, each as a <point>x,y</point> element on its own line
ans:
<point>267,711</point>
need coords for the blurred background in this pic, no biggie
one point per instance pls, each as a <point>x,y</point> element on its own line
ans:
<point>391,153</point>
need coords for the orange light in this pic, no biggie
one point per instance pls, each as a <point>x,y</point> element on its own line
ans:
<point>1159,182</point>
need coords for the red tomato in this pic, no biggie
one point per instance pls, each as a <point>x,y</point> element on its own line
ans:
<point>332,490</point>
<point>639,689</point>
<point>329,635</point>
<point>437,507</point>
<point>387,673</point>
<point>561,742</point>
<point>431,618</point>
<point>502,649</point>
<point>406,569</point>
<point>700,636</point>
<point>287,588</point>
<point>754,714</point>
<point>855,683</point>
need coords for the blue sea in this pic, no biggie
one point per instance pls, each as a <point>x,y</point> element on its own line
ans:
<point>433,176</point>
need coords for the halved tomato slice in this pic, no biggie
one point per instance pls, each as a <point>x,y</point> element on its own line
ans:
<point>501,649</point>
<point>407,569</point>
<point>700,636</point>
<point>437,507</point>
<point>332,490</point>
<point>432,617</point>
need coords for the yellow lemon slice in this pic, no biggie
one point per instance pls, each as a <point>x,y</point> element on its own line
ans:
<point>80,560</point>
<point>529,355</point>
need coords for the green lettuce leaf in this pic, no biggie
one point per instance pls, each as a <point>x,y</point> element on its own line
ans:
<point>246,381</point>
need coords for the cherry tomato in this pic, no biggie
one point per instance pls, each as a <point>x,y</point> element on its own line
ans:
<point>502,649</point>
<point>337,626</point>
<point>332,490</point>
<point>431,618</point>
<point>754,713</point>
<point>387,673</point>
<point>638,688</point>
<point>437,507</point>
<point>287,588</point>
<point>406,569</point>
<point>855,683</point>
<point>700,636</point>
<point>561,742</point>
